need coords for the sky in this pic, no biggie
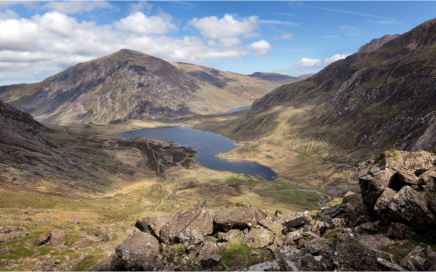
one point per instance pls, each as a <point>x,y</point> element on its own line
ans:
<point>40,39</point>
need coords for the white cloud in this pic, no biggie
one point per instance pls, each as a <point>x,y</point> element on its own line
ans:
<point>260,48</point>
<point>8,14</point>
<point>226,30</point>
<point>278,22</point>
<point>35,48</point>
<point>143,5</point>
<point>320,63</point>
<point>71,7</point>
<point>287,36</point>
<point>139,23</point>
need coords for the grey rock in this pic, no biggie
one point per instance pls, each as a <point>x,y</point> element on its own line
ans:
<point>416,259</point>
<point>400,231</point>
<point>411,207</point>
<point>153,225</point>
<point>200,219</point>
<point>111,263</point>
<point>139,251</point>
<point>237,218</point>
<point>257,238</point>
<point>230,235</point>
<point>190,237</point>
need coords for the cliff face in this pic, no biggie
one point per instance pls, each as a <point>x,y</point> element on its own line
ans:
<point>377,100</point>
<point>125,85</point>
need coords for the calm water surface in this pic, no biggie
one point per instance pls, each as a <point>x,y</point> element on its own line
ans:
<point>208,145</point>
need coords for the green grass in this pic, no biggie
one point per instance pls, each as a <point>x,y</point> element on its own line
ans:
<point>238,253</point>
<point>287,193</point>
<point>89,261</point>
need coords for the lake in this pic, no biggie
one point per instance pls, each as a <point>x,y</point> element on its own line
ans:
<point>208,145</point>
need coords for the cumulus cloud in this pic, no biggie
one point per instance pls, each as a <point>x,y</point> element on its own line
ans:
<point>139,23</point>
<point>260,48</point>
<point>226,30</point>
<point>72,7</point>
<point>35,48</point>
<point>320,63</point>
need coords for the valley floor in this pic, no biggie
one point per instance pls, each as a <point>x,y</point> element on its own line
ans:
<point>88,226</point>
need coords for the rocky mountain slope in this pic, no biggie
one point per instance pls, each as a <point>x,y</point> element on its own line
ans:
<point>375,100</point>
<point>276,78</point>
<point>131,85</point>
<point>36,158</point>
<point>388,227</point>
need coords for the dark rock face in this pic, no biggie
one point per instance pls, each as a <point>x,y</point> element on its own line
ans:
<point>400,231</point>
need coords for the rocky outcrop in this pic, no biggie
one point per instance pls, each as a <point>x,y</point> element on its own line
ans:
<point>376,43</point>
<point>341,237</point>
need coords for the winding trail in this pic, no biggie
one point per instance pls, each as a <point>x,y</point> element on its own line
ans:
<point>325,198</point>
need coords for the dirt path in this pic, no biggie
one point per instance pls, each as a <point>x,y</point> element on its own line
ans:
<point>325,198</point>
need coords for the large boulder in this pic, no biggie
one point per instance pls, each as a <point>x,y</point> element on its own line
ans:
<point>411,207</point>
<point>393,169</point>
<point>381,205</point>
<point>139,251</point>
<point>237,218</point>
<point>350,255</point>
<point>202,220</point>
<point>401,231</point>
<point>258,238</point>
<point>153,225</point>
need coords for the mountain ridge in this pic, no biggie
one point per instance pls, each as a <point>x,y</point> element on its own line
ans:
<point>126,85</point>
<point>370,101</point>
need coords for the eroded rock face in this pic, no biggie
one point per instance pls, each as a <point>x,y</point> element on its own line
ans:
<point>411,207</point>
<point>201,219</point>
<point>394,170</point>
<point>139,251</point>
<point>400,231</point>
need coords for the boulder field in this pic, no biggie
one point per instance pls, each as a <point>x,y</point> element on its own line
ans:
<point>389,225</point>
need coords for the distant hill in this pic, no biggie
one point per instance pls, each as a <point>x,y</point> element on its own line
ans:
<point>382,98</point>
<point>132,85</point>
<point>276,78</point>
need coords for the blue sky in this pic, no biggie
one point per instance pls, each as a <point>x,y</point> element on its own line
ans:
<point>39,39</point>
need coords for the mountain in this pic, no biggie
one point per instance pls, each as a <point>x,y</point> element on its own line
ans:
<point>378,99</point>
<point>36,158</point>
<point>276,78</point>
<point>131,85</point>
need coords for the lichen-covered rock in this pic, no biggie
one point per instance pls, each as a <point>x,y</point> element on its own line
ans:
<point>272,226</point>
<point>352,202</point>
<point>237,218</point>
<point>416,260</point>
<point>230,235</point>
<point>258,238</point>
<point>200,219</point>
<point>43,239</point>
<point>139,251</point>
<point>401,231</point>
<point>190,237</point>
<point>382,202</point>
<point>411,207</point>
